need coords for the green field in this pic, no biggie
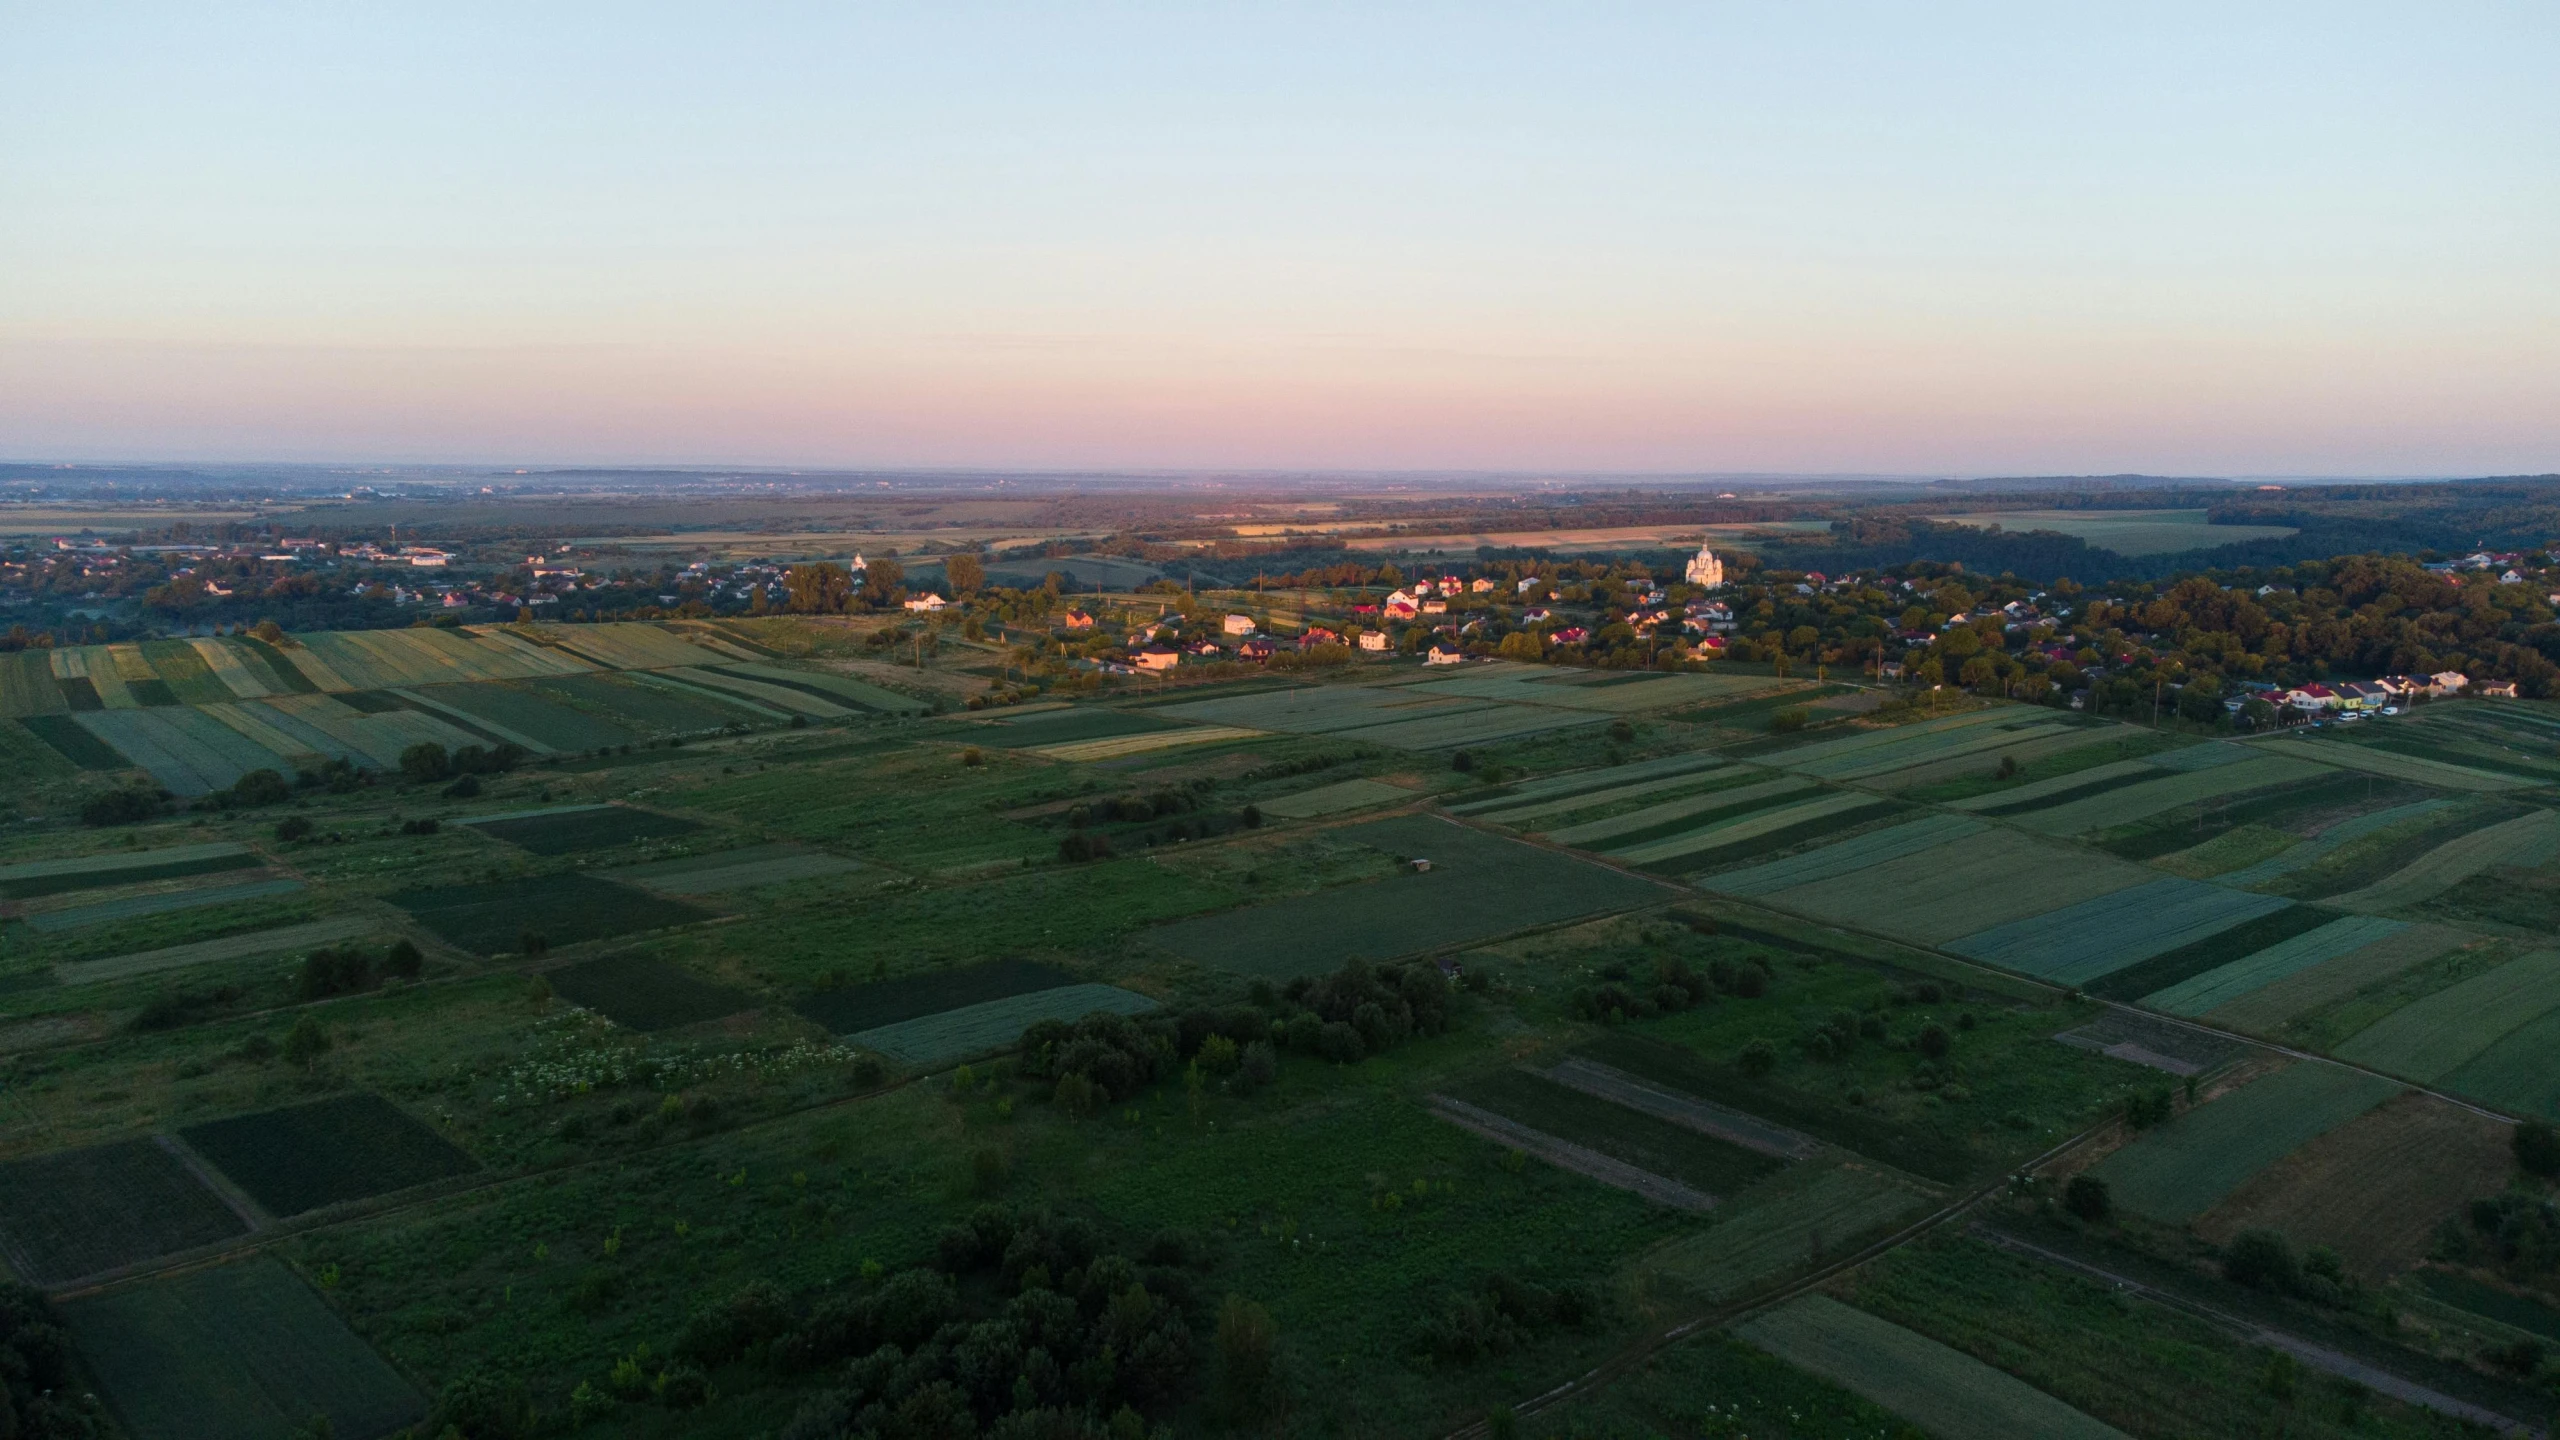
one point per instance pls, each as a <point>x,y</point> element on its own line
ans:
<point>2184,1168</point>
<point>1479,887</point>
<point>741,869</point>
<point>38,878</point>
<point>1702,1162</point>
<point>1788,1222</point>
<point>1945,1392</point>
<point>914,997</point>
<point>992,1025</point>
<point>2279,1002</point>
<point>2225,984</point>
<point>1335,799</point>
<point>1057,727</point>
<point>82,1212</point>
<point>244,1351</point>
<point>2080,943</point>
<point>592,827</point>
<point>2525,842</point>
<point>496,916</point>
<point>1961,887</point>
<point>327,1152</point>
<point>542,725</point>
<point>2428,1038</point>
<point>639,993</point>
<point>2212,952</point>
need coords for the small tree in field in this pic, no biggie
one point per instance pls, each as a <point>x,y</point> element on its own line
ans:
<point>2086,1196</point>
<point>305,1043</point>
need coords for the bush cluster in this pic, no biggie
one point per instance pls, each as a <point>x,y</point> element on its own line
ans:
<point>1100,1058</point>
<point>1501,1315</point>
<point>36,1401</point>
<point>427,762</point>
<point>128,806</point>
<point>1361,1010</point>
<point>258,787</point>
<point>2262,1260</point>
<point>1675,987</point>
<point>347,969</point>
<point>2519,1230</point>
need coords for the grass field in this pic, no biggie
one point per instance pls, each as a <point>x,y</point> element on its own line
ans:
<point>1788,1222</point>
<point>993,1025</point>
<point>2126,532</point>
<point>243,1351</point>
<point>2123,805</point>
<point>2517,1073</point>
<point>2225,984</point>
<point>1702,1162</point>
<point>72,741</point>
<point>2527,841</point>
<point>2183,1168</point>
<point>36,878</point>
<point>639,993</point>
<point>1479,887</point>
<point>1058,727</point>
<point>1770,828</point>
<point>1961,887</point>
<point>1949,1394</point>
<point>588,827</point>
<point>2080,943</point>
<point>82,1212</point>
<point>2428,1038</point>
<point>495,916</point>
<point>2432,773</point>
<point>1577,785</point>
<point>2376,1187</point>
<point>765,694</point>
<point>843,689</point>
<point>742,869</point>
<point>327,1152</point>
<point>133,907</point>
<point>1830,862</point>
<point>2312,851</point>
<point>1319,709</point>
<point>1337,798</point>
<point>2272,1006</point>
<point>1667,817</point>
<point>913,997</point>
<point>1475,727</point>
<point>534,721</point>
<point>280,941</point>
<point>1121,746</point>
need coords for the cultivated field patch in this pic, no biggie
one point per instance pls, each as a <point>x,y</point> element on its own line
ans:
<point>1798,1217</point>
<point>1566,1155</point>
<point>2434,773</point>
<point>569,830</point>
<point>536,722</point>
<point>2525,842</point>
<point>2183,1168</point>
<point>37,878</point>
<point>207,952</point>
<point>2129,803</point>
<point>328,1152</point>
<point>861,694</point>
<point>1770,828</point>
<point>639,993</point>
<point>1057,727</point>
<point>1687,1154</point>
<point>83,1212</point>
<point>1944,1391</point>
<point>910,997</point>
<point>502,915</point>
<point>1120,746</point>
<point>742,869</point>
<point>1911,742</point>
<point>1962,887</point>
<point>74,742</point>
<point>134,907</point>
<point>1830,862</point>
<point>1318,709</point>
<point>1337,798</point>
<point>2037,794</point>
<point>993,1025</point>
<point>1673,816</point>
<point>1524,814</point>
<point>2375,1188</point>
<point>187,753</point>
<point>1588,690</point>
<point>243,1351</point>
<point>781,699</point>
<point>2318,847</point>
<point>1632,778</point>
<point>1476,727</point>
<point>2270,1007</point>
<point>2079,943</point>
<point>2427,1038</point>
<point>2227,983</point>
<point>1479,887</point>
<point>2518,1073</point>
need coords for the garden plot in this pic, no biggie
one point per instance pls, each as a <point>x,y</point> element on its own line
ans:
<point>1318,709</point>
<point>1058,727</point>
<point>2273,1005</point>
<point>187,753</point>
<point>1847,856</point>
<point>2224,984</point>
<point>2320,846</point>
<point>993,1025</point>
<point>2078,943</point>
<point>507,915</point>
<point>1783,825</point>
<point>1479,888</point>
<point>36,878</point>
<point>328,1152</point>
<point>2427,1039</point>
<point>1585,785</point>
<point>2518,1073</point>
<point>233,667</point>
<point>1122,746</point>
<point>1677,1150</point>
<point>27,685</point>
<point>541,725</point>
<point>1799,1216</point>
<point>2036,794</point>
<point>2183,1168</point>
<point>1335,799</point>
<point>2130,803</point>
<point>843,689</point>
<point>1672,815</point>
<point>77,1213</point>
<point>2376,1187</point>
<point>180,668</point>
<point>727,870</point>
<point>2433,773</point>
<point>1614,693</point>
<point>1566,1155</point>
<point>638,993</point>
<point>2526,842</point>
<point>571,829</point>
<point>789,699</point>
<point>1981,743</point>
<point>628,646</point>
<point>243,1351</point>
<point>913,997</point>
<point>133,907</point>
<point>285,940</point>
<point>1961,887</point>
<point>1444,732</point>
<point>1942,1390</point>
<point>256,728</point>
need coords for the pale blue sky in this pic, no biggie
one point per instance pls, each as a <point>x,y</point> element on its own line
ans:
<point>2261,239</point>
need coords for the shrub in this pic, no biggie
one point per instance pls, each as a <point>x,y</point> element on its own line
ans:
<point>2149,1107</point>
<point>1248,1357</point>
<point>305,1043</point>
<point>1758,1058</point>
<point>1081,846</point>
<point>258,787</point>
<point>464,788</point>
<point>122,807</point>
<point>403,960</point>
<point>1341,1043</point>
<point>292,828</point>
<point>425,763</point>
<point>420,827</point>
<point>1500,1316</point>
<point>1789,720</point>
<point>2261,1260</point>
<point>485,1406</point>
<point>2087,1197</point>
<point>1934,1042</point>
<point>335,971</point>
<point>1118,1055</point>
<point>2537,1148</point>
<point>1259,1066</point>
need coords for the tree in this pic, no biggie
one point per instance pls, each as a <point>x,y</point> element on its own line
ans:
<point>2087,1197</point>
<point>1248,1357</point>
<point>260,787</point>
<point>1759,1058</point>
<point>965,572</point>
<point>2537,1148</point>
<point>819,589</point>
<point>884,581</point>
<point>2261,1260</point>
<point>425,763</point>
<point>306,1042</point>
<point>1935,1042</point>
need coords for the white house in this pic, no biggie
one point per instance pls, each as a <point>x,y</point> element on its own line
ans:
<point>927,603</point>
<point>1439,655</point>
<point>1373,639</point>
<point>1238,625</point>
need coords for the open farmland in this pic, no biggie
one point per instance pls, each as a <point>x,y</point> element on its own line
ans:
<point>2375,1188</point>
<point>1058,727</point>
<point>1671,817</point>
<point>1846,857</point>
<point>639,993</point>
<point>913,997</point>
<point>2434,773</point>
<point>1319,709</point>
<point>571,829</point>
<point>497,916</point>
<point>2517,1072</point>
<point>1620,693</point>
<point>76,1213</point>
<point>326,1152</point>
<point>2525,842</point>
<point>741,869</point>
<point>1120,746</point>
<point>2428,1038</point>
<point>1337,798</point>
<point>1702,1162</point>
<point>37,878</point>
<point>2226,984</point>
<point>1475,727</point>
<point>1944,1391</point>
<point>2187,1166</point>
<point>1961,887</point>
<point>278,941</point>
<point>243,1351</point>
<point>1770,828</point>
<point>2271,1006</point>
<point>1792,1219</point>
<point>1577,788</point>
<point>2312,850</point>
<point>2127,532</point>
<point>1478,888</point>
<point>131,907</point>
<point>2080,943</point>
<point>2210,952</point>
<point>992,1025</point>
<point>2126,804</point>
<point>519,716</point>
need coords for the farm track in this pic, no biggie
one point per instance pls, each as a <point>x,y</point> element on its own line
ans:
<point>1564,1154</point>
<point>2318,1357</point>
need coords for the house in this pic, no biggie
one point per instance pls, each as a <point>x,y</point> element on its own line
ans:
<point>1528,585</point>
<point>1449,584</point>
<point>1401,606</point>
<point>2447,682</point>
<point>1257,649</point>
<point>1205,649</point>
<point>1373,639</point>
<point>1421,587</point>
<point>2362,695</point>
<point>1435,607</point>
<point>1443,655</point>
<point>1538,614</point>
<point>427,559</point>
<point>1709,647</point>
<point>1156,659</point>
<point>1889,670</point>
<point>2500,689</point>
<point>1076,620</point>
<point>1364,609</point>
<point>927,603</point>
<point>1317,635</point>
<point>1572,635</point>
<point>1237,625</point>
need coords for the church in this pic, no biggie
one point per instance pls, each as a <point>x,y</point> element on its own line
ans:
<point>1705,569</point>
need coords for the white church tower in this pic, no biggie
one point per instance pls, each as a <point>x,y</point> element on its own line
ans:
<point>1705,569</point>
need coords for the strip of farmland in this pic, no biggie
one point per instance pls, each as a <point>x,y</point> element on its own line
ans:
<point>2136,802</point>
<point>282,941</point>
<point>2517,1072</point>
<point>2271,1007</point>
<point>1565,1155</point>
<point>1518,817</point>
<point>2428,1038</point>
<point>1942,1390</point>
<point>2225,984</point>
<point>1666,817</point>
<point>32,878</point>
<point>1962,887</point>
<point>1931,750</point>
<point>2038,793</point>
<point>2182,1169</point>
<point>1797,1216</point>
<point>1820,752</point>
<point>1336,798</point>
<point>134,907</point>
<point>1773,826</point>
<point>2434,773</point>
<point>2527,841</point>
<point>2079,943</point>
<point>1474,728</point>
<point>1120,745</point>
<point>2311,851</point>
<point>1585,782</point>
<point>994,1024</point>
<point>1848,856</point>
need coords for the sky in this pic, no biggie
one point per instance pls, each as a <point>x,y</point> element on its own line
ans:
<point>2253,239</point>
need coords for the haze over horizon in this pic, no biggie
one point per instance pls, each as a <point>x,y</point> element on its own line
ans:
<point>1992,240</point>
